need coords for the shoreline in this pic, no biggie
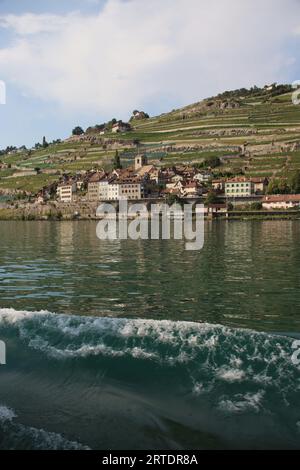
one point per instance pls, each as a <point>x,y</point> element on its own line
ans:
<point>58,216</point>
<point>54,210</point>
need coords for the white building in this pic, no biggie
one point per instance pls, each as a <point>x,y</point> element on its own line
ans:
<point>131,189</point>
<point>97,187</point>
<point>121,127</point>
<point>113,192</point>
<point>238,187</point>
<point>191,189</point>
<point>245,187</point>
<point>204,177</point>
<point>281,201</point>
<point>66,192</point>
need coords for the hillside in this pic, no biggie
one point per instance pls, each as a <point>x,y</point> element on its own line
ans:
<point>253,132</point>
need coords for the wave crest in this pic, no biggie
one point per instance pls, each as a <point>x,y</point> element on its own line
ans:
<point>208,358</point>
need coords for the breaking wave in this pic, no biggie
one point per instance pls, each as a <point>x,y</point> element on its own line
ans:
<point>213,353</point>
<point>19,436</point>
<point>215,370</point>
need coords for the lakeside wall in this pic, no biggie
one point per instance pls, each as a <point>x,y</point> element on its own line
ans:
<point>55,210</point>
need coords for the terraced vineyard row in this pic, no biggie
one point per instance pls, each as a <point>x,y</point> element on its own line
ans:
<point>255,135</point>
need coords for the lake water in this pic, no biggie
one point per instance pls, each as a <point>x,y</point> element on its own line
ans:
<point>141,344</point>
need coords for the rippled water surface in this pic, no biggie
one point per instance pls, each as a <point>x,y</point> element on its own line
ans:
<point>146,345</point>
<point>248,274</point>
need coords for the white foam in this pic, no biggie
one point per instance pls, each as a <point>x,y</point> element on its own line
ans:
<point>12,316</point>
<point>243,403</point>
<point>45,440</point>
<point>39,438</point>
<point>216,352</point>
<point>231,375</point>
<point>6,414</point>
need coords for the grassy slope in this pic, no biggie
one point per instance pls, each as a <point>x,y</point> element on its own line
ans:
<point>271,120</point>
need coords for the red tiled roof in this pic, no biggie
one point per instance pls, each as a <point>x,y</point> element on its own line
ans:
<point>192,184</point>
<point>282,198</point>
<point>244,179</point>
<point>258,180</point>
<point>240,179</point>
<point>170,191</point>
<point>96,177</point>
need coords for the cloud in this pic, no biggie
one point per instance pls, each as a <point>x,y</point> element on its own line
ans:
<point>133,53</point>
<point>29,23</point>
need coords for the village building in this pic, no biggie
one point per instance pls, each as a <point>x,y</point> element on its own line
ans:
<point>140,161</point>
<point>281,201</point>
<point>130,188</point>
<point>259,185</point>
<point>121,127</point>
<point>245,187</point>
<point>191,189</point>
<point>144,171</point>
<point>120,184</point>
<point>156,176</point>
<point>113,191</point>
<point>177,178</point>
<point>173,192</point>
<point>66,191</point>
<point>203,177</point>
<point>215,209</point>
<point>97,186</point>
<point>218,185</point>
<point>238,187</point>
<point>139,115</point>
<point>186,171</point>
<point>175,185</point>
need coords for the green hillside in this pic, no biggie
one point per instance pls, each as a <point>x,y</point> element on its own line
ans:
<point>253,132</point>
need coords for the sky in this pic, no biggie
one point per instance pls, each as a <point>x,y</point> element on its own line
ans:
<point>84,62</point>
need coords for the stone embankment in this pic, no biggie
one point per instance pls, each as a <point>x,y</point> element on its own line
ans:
<point>49,211</point>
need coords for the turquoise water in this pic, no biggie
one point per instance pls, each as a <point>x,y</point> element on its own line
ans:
<point>144,345</point>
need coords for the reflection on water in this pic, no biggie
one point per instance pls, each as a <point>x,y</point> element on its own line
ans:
<point>247,274</point>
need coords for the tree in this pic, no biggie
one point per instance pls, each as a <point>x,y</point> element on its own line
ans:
<point>173,199</point>
<point>45,143</point>
<point>117,161</point>
<point>278,186</point>
<point>212,162</point>
<point>294,182</point>
<point>77,130</point>
<point>272,187</point>
<point>211,198</point>
<point>256,206</point>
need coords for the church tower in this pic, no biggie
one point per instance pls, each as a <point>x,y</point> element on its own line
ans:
<point>139,161</point>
